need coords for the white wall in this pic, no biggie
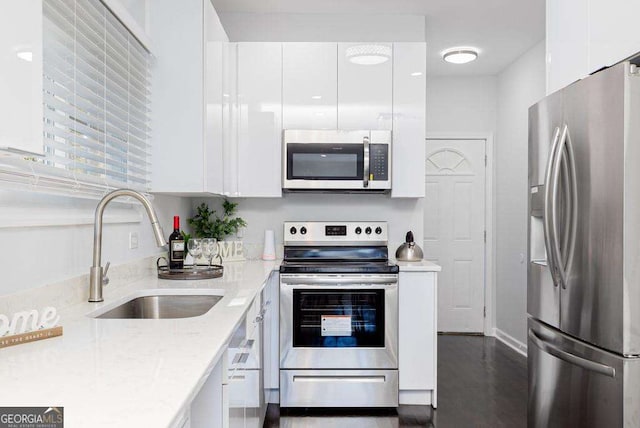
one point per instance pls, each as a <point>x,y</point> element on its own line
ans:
<point>46,239</point>
<point>401,214</point>
<point>519,86</point>
<point>461,104</point>
<point>290,27</point>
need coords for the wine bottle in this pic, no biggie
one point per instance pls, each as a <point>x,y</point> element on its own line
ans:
<point>176,246</point>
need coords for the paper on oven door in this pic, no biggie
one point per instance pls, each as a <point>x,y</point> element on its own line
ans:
<point>336,325</point>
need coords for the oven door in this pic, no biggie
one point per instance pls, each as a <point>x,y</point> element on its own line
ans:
<point>339,321</point>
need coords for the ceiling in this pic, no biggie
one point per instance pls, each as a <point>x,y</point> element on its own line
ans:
<point>502,29</point>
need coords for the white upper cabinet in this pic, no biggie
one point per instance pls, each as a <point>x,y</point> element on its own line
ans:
<point>188,40</point>
<point>567,43</point>
<point>613,32</point>
<point>409,103</point>
<point>364,89</point>
<point>213,98</point>
<point>309,86</point>
<point>259,119</point>
<point>230,119</point>
<point>584,36</point>
<point>21,83</point>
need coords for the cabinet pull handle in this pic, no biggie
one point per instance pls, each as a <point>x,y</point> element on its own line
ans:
<point>247,344</point>
<point>240,358</point>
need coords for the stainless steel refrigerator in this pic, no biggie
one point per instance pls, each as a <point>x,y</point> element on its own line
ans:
<point>583,291</point>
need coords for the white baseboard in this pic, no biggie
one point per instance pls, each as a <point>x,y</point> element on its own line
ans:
<point>272,396</point>
<point>419,397</point>
<point>510,341</point>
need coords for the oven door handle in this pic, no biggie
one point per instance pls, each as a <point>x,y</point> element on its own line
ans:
<point>301,282</point>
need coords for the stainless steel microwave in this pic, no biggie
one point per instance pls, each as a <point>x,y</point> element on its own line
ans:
<point>324,160</point>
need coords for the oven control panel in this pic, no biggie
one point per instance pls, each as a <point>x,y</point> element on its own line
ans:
<point>335,233</point>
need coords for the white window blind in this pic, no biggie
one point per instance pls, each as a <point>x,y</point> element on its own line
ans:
<point>96,96</point>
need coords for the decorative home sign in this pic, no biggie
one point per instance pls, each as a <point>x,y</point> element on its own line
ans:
<point>231,250</point>
<point>29,326</point>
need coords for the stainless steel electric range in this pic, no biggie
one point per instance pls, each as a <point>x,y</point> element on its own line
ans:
<point>338,316</point>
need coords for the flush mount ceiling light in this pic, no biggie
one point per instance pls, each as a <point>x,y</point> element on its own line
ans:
<point>368,54</point>
<point>460,55</point>
<point>25,55</point>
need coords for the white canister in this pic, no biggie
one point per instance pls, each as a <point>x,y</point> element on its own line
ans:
<point>269,251</point>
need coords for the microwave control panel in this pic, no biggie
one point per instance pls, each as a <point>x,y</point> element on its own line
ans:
<point>379,162</point>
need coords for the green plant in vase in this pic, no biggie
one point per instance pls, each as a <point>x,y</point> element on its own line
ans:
<point>207,224</point>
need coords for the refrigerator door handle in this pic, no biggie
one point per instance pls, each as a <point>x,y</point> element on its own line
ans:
<point>547,227</point>
<point>564,157</point>
<point>571,358</point>
<point>573,218</point>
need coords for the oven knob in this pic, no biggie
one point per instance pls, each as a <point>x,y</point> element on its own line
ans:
<point>378,230</point>
<point>358,230</point>
<point>293,231</point>
<point>367,231</point>
<point>303,230</point>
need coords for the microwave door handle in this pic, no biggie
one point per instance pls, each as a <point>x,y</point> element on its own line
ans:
<point>365,178</point>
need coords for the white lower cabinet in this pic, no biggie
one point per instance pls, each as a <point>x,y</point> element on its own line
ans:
<point>207,409</point>
<point>417,337</point>
<point>233,395</point>
<point>271,297</point>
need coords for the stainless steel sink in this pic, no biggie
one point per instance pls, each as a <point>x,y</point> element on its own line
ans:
<point>163,306</point>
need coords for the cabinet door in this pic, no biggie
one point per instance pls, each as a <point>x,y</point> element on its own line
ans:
<point>417,330</point>
<point>177,98</point>
<point>613,33</point>
<point>213,88</point>
<point>259,119</point>
<point>409,101</point>
<point>230,119</point>
<point>364,90</point>
<point>21,84</point>
<point>236,379</point>
<point>309,86</point>
<point>567,42</point>
<point>271,334</point>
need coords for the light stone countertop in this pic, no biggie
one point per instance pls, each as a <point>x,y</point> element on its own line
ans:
<point>129,372</point>
<point>418,266</point>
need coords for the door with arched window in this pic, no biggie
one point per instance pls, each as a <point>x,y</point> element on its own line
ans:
<point>454,230</point>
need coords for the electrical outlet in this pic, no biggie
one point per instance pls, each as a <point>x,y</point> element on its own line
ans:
<point>133,240</point>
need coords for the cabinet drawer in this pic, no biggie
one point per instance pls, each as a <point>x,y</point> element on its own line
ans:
<point>245,387</point>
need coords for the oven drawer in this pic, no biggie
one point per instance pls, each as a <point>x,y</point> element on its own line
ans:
<point>338,388</point>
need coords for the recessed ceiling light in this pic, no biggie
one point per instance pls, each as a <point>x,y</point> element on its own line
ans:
<point>368,54</point>
<point>316,97</point>
<point>416,73</point>
<point>25,55</point>
<point>460,55</point>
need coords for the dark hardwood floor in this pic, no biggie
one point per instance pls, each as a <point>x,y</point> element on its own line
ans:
<point>482,383</point>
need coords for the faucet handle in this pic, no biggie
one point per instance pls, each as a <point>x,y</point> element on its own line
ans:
<point>105,279</point>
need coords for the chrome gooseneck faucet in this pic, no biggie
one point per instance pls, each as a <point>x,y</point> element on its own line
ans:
<point>97,273</point>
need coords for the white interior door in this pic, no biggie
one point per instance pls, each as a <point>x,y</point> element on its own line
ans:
<point>454,226</point>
